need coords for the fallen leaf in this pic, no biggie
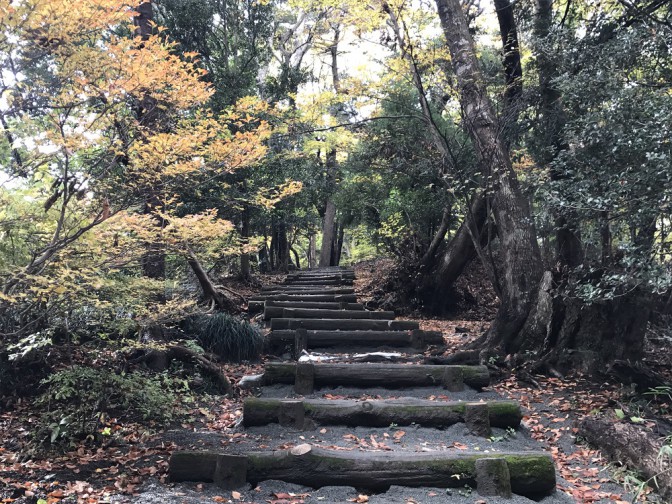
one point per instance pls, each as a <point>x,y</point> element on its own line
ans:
<point>235,495</point>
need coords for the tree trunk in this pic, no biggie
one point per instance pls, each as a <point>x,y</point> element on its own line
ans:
<point>515,227</point>
<point>283,247</point>
<point>328,232</point>
<point>245,272</point>
<point>297,258</point>
<point>312,252</point>
<point>513,70</point>
<point>210,292</point>
<point>327,253</point>
<point>339,244</point>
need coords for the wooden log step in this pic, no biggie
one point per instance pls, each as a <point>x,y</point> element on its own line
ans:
<point>343,324</point>
<point>531,474</point>
<point>310,281</point>
<point>256,303</point>
<point>324,339</point>
<point>335,276</point>
<point>305,414</point>
<point>302,297</point>
<point>318,313</point>
<point>319,305</point>
<point>307,376</point>
<point>288,289</point>
<point>273,309</point>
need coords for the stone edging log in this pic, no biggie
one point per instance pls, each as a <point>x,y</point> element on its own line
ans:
<point>305,414</point>
<point>375,375</point>
<point>531,474</point>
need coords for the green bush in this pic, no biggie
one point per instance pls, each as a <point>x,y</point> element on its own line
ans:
<point>228,337</point>
<point>79,399</point>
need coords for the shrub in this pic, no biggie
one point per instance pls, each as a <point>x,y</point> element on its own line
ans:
<point>228,337</point>
<point>79,399</point>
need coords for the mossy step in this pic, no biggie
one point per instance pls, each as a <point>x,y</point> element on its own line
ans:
<point>531,474</point>
<point>306,413</point>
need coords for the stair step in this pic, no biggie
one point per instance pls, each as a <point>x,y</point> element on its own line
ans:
<point>336,276</point>
<point>529,474</point>
<point>307,376</point>
<point>309,298</point>
<point>296,289</point>
<point>343,324</point>
<point>323,339</point>
<point>274,308</point>
<point>319,313</point>
<point>305,414</point>
<point>311,281</point>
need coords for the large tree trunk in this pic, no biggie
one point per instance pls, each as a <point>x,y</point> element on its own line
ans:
<point>327,252</point>
<point>568,333</point>
<point>521,268</point>
<point>283,247</point>
<point>329,216</point>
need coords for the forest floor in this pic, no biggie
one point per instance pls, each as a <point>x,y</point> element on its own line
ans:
<point>132,466</point>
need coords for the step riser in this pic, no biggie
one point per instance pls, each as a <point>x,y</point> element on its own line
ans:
<point>315,305</point>
<point>324,339</point>
<point>378,375</point>
<point>310,298</point>
<point>307,414</point>
<point>529,474</point>
<point>306,290</point>
<point>278,311</point>
<point>301,313</point>
<point>343,324</point>
<point>337,278</point>
<point>302,283</point>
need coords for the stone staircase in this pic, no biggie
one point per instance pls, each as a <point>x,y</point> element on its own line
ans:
<point>318,311</point>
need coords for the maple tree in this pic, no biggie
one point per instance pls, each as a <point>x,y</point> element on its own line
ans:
<point>81,159</point>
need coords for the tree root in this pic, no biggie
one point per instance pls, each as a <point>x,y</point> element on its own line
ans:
<point>465,357</point>
<point>160,359</point>
<point>634,446</point>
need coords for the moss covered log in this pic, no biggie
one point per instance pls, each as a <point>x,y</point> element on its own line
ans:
<point>531,475</point>
<point>376,413</point>
<point>377,375</point>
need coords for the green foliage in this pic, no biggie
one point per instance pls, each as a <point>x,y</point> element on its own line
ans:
<point>229,337</point>
<point>78,400</point>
